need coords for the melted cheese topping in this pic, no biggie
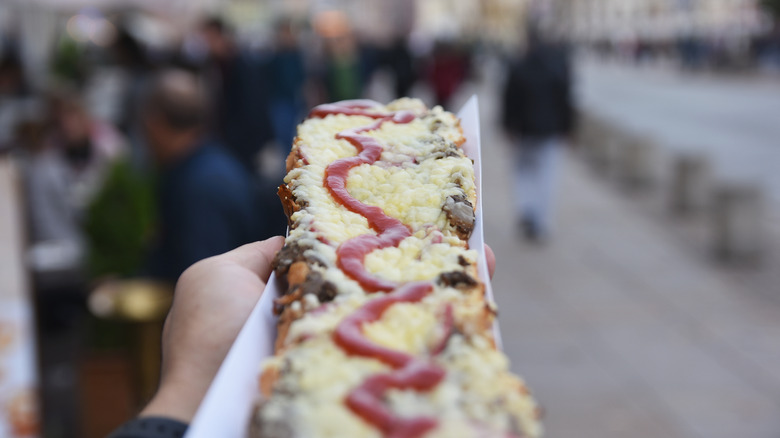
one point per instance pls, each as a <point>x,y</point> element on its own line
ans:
<point>317,369</point>
<point>404,327</point>
<point>417,259</point>
<point>413,193</point>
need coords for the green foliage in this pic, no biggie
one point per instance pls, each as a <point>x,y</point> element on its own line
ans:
<point>68,63</point>
<point>119,222</point>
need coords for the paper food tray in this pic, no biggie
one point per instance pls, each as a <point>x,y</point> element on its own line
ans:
<point>228,404</point>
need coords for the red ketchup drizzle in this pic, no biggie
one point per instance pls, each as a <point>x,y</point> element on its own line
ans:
<point>410,373</point>
<point>354,107</point>
<point>366,399</point>
<point>349,333</point>
<point>391,231</point>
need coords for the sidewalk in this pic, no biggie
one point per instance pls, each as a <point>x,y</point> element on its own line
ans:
<point>619,330</point>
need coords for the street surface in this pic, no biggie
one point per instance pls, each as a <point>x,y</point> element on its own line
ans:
<point>623,333</point>
<point>619,329</point>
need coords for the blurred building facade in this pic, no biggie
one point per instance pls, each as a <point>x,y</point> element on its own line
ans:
<point>619,21</point>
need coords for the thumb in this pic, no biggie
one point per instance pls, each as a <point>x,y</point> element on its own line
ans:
<point>257,256</point>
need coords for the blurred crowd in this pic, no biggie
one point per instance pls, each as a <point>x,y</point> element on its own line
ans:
<point>138,161</point>
<point>108,168</point>
<point>128,119</point>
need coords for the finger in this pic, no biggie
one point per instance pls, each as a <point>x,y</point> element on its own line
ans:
<point>491,260</point>
<point>257,256</point>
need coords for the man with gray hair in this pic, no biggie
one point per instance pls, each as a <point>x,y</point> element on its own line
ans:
<point>207,201</point>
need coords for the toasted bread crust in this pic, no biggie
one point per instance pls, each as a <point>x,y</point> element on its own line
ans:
<point>288,202</point>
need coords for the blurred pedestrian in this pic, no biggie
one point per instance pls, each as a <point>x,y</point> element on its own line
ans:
<point>346,68</point>
<point>447,71</point>
<point>538,114</point>
<point>62,175</point>
<point>239,80</point>
<point>13,94</point>
<point>64,165</point>
<point>135,71</point>
<point>208,202</point>
<point>402,64</point>
<point>288,76</point>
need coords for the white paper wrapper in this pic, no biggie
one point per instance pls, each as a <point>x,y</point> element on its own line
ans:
<point>226,409</point>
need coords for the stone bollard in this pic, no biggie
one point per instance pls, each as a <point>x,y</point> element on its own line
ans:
<point>598,153</point>
<point>590,130</point>
<point>601,149</point>
<point>585,133</point>
<point>583,128</point>
<point>637,163</point>
<point>737,222</point>
<point>690,184</point>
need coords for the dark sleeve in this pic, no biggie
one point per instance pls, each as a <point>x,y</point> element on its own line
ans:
<point>150,427</point>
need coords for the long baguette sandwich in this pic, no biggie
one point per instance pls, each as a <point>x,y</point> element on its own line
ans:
<point>384,327</point>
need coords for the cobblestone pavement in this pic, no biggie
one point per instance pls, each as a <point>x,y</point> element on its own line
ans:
<point>620,330</point>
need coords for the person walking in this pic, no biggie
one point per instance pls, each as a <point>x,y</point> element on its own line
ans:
<point>239,80</point>
<point>538,115</point>
<point>288,77</point>
<point>448,69</point>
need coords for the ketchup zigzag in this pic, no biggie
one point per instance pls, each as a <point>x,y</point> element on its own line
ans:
<point>409,372</point>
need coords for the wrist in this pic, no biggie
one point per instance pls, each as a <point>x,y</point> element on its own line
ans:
<point>176,400</point>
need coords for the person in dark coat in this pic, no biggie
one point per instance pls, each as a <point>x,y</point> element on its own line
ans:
<point>538,115</point>
<point>240,81</point>
<point>288,76</point>
<point>402,64</point>
<point>208,202</point>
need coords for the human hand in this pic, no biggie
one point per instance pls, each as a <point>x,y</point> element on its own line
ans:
<point>213,299</point>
